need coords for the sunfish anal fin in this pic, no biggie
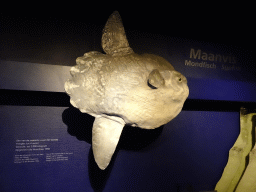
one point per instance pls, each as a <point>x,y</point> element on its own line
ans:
<point>105,136</point>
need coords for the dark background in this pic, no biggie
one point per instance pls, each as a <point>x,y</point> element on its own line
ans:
<point>57,34</point>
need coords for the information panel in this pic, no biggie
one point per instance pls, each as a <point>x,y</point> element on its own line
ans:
<point>49,149</point>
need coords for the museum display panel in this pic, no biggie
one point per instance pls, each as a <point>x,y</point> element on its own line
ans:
<point>46,144</point>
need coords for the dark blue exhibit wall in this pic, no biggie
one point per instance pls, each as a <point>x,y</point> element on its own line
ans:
<point>49,149</point>
<point>214,71</point>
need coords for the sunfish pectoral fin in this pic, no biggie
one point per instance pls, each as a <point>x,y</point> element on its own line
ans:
<point>105,136</point>
<point>155,79</point>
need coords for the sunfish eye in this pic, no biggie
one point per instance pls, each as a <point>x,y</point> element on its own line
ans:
<point>178,77</point>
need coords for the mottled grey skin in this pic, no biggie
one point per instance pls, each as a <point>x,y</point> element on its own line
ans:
<point>118,86</point>
<point>122,87</point>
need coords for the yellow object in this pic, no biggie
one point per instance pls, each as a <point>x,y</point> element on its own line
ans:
<point>248,181</point>
<point>237,155</point>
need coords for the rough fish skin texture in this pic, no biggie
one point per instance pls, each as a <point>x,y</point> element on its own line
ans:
<point>122,87</point>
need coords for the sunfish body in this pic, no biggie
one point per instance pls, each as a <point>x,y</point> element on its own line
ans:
<point>122,87</point>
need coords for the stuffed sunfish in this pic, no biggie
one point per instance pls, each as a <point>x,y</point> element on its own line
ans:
<point>122,87</point>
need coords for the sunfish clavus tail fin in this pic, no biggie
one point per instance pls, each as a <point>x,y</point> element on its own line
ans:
<point>105,136</point>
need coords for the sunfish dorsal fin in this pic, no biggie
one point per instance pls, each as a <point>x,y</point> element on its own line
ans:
<point>114,41</point>
<point>105,136</point>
